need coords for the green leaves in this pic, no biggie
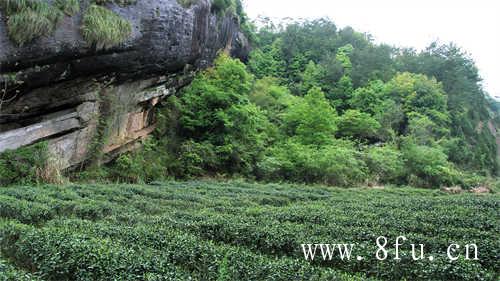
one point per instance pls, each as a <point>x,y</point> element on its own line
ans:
<point>216,111</point>
<point>24,165</point>
<point>428,166</point>
<point>234,230</point>
<point>437,89</point>
<point>386,163</point>
<point>358,125</point>
<point>311,120</point>
<point>69,7</point>
<point>337,163</point>
<point>267,62</point>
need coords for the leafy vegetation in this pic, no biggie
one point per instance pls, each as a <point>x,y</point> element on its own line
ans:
<point>229,123</point>
<point>238,231</point>
<point>221,6</point>
<point>297,115</point>
<point>314,105</point>
<point>69,7</point>
<point>28,165</point>
<point>103,28</point>
<point>11,273</point>
<point>29,19</point>
<point>434,97</point>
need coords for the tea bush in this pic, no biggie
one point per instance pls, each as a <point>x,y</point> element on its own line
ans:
<point>10,273</point>
<point>237,231</point>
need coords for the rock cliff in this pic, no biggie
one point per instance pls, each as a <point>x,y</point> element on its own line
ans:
<point>78,96</point>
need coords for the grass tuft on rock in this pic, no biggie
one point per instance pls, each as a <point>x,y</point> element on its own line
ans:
<point>104,28</point>
<point>29,19</point>
<point>69,7</point>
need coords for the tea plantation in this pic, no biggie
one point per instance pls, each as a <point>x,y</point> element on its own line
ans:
<point>239,231</point>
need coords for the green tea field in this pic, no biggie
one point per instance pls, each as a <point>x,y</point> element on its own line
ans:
<point>240,231</point>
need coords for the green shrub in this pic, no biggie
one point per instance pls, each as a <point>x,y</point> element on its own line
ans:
<point>336,164</point>
<point>80,257</point>
<point>9,272</point>
<point>103,28</point>
<point>221,6</point>
<point>24,210</point>
<point>471,180</point>
<point>28,165</point>
<point>385,163</point>
<point>428,166</point>
<point>197,159</point>
<point>356,124</point>
<point>340,164</point>
<point>141,166</point>
<point>311,120</point>
<point>239,231</point>
<point>215,112</point>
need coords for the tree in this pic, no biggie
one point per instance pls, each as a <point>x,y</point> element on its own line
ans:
<point>422,95</point>
<point>273,98</point>
<point>337,163</point>
<point>368,99</point>
<point>215,110</point>
<point>341,94</point>
<point>423,130</point>
<point>311,120</point>
<point>312,77</point>
<point>466,104</point>
<point>392,119</point>
<point>358,125</point>
<point>343,57</point>
<point>385,163</point>
<point>267,61</point>
<point>428,166</point>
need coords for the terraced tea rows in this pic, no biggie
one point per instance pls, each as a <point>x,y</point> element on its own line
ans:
<point>238,231</point>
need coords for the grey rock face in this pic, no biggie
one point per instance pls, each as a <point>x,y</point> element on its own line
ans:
<point>58,88</point>
<point>165,37</point>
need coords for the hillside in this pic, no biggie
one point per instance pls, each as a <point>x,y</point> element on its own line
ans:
<point>178,140</point>
<point>238,231</point>
<point>448,105</point>
<point>110,93</point>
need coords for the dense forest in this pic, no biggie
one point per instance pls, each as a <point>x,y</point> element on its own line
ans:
<point>313,103</point>
<point>319,104</point>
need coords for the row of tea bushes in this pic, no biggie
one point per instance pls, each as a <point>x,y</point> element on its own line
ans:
<point>240,231</point>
